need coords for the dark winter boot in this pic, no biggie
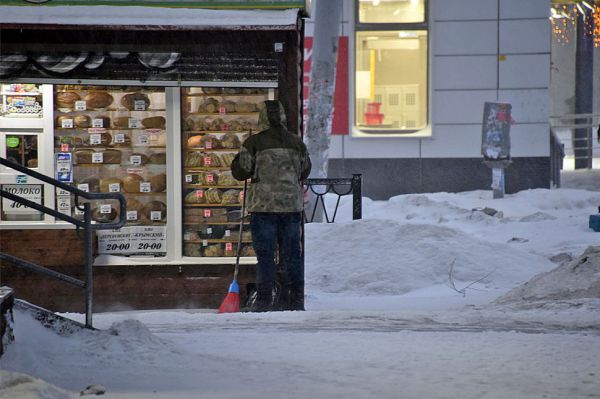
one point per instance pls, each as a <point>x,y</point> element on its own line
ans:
<point>264,300</point>
<point>296,297</point>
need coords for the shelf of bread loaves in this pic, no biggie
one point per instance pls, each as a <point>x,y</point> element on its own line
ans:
<point>109,99</point>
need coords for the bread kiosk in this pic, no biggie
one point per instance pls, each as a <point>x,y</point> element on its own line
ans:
<point>152,102</point>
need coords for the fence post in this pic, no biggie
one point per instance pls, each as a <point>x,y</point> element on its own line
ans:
<point>356,196</point>
<point>89,275</point>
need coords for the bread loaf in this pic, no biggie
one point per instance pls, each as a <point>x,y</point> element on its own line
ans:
<point>121,122</point>
<point>112,156</point>
<point>230,140</point>
<point>131,183</point>
<point>195,197</point>
<point>244,106</point>
<point>128,100</point>
<point>154,122</point>
<point>104,119</point>
<point>98,100</point>
<point>227,105</point>
<point>100,217</point>
<point>66,99</point>
<point>191,249</point>
<point>231,197</point>
<point>226,159</point>
<point>61,118</point>
<point>247,250</point>
<point>194,141</point>
<point>93,184</point>
<point>212,90</point>
<point>226,179</point>
<point>121,140</point>
<point>105,184</point>
<point>155,206</point>
<point>189,124</point>
<point>209,105</point>
<point>83,156</point>
<point>159,158</point>
<point>105,139</point>
<point>158,183</point>
<point>82,121</point>
<point>213,250</point>
<point>194,159</point>
<point>135,205</point>
<point>138,159</point>
<point>213,196</point>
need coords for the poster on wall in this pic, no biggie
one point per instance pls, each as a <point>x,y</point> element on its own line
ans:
<point>131,240</point>
<point>495,139</point>
<point>63,166</point>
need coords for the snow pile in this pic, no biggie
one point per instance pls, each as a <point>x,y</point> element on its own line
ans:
<point>374,257</point>
<point>579,279</point>
<point>22,386</point>
<point>128,336</point>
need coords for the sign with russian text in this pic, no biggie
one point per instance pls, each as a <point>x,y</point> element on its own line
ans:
<point>133,240</point>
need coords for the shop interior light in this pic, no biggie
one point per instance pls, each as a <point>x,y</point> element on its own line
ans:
<point>585,3</point>
<point>580,9</point>
<point>376,2</point>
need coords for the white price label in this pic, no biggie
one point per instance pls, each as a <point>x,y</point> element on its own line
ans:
<point>105,208</point>
<point>187,236</point>
<point>114,187</point>
<point>209,230</point>
<point>97,122</point>
<point>155,215</point>
<point>95,139</point>
<point>98,157</point>
<point>61,192</point>
<point>63,204</point>
<point>132,215</point>
<point>134,123</point>
<point>227,233</point>
<point>84,187</point>
<point>143,139</point>
<point>188,178</point>
<point>80,105</point>
<point>136,159</point>
<point>139,105</point>
<point>119,138</point>
<point>78,212</point>
<point>145,187</point>
<point>205,243</point>
<point>66,123</point>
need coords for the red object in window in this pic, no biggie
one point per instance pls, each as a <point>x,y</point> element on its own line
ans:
<point>372,116</point>
<point>373,108</point>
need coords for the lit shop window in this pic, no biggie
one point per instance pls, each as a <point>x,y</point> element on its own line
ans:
<point>391,79</point>
<point>391,11</point>
<point>22,149</point>
<point>391,50</point>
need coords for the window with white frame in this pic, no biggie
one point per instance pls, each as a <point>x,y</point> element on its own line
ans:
<point>391,50</point>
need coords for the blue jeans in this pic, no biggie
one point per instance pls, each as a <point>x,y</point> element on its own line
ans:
<point>270,230</point>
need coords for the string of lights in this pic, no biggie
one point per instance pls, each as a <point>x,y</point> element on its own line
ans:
<point>564,15</point>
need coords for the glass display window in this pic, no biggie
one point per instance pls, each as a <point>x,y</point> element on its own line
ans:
<point>215,122</point>
<point>113,138</point>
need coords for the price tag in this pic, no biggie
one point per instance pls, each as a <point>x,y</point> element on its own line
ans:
<point>119,138</point>
<point>199,193</point>
<point>222,110</point>
<point>143,139</point>
<point>227,233</point>
<point>210,178</point>
<point>134,123</point>
<point>61,192</point>
<point>80,105</point>
<point>225,127</point>
<point>97,122</point>
<point>114,187</point>
<point>204,243</point>
<point>95,139</point>
<point>132,215</point>
<point>136,159</point>
<point>105,208</point>
<point>155,215</point>
<point>145,187</point>
<point>63,204</point>
<point>64,148</point>
<point>228,246</point>
<point>187,236</point>
<point>207,213</point>
<point>188,178</point>
<point>78,212</point>
<point>67,123</point>
<point>208,145</point>
<point>209,230</point>
<point>207,161</point>
<point>97,157</point>
<point>84,187</point>
<point>139,105</point>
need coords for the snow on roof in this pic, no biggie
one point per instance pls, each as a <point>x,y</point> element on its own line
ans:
<point>144,16</point>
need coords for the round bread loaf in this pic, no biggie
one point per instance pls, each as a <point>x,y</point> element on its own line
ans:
<point>194,141</point>
<point>112,156</point>
<point>82,121</point>
<point>131,183</point>
<point>158,183</point>
<point>135,205</point>
<point>66,99</point>
<point>155,206</point>
<point>105,184</point>
<point>105,121</point>
<point>154,122</point>
<point>230,140</point>
<point>121,122</point>
<point>100,217</point>
<point>98,99</point>
<point>128,100</point>
<point>93,184</point>
<point>61,118</point>
<point>83,156</point>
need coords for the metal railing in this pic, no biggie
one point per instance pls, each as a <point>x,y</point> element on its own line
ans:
<point>336,186</point>
<point>580,128</point>
<point>85,224</point>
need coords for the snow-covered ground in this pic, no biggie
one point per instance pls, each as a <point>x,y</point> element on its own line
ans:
<point>423,298</point>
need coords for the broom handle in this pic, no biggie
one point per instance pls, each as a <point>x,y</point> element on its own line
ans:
<point>239,246</point>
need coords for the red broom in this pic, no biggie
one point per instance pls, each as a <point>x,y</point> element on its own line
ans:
<point>231,303</point>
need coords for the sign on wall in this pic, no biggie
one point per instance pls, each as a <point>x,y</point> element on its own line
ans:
<point>340,96</point>
<point>133,240</point>
<point>31,192</point>
<point>495,136</point>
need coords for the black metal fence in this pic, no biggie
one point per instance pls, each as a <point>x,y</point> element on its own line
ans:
<point>85,224</point>
<point>319,188</point>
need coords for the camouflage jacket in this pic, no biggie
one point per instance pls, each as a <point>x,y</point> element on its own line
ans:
<point>276,160</point>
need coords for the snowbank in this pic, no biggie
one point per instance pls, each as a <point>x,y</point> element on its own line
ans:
<point>22,386</point>
<point>579,279</point>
